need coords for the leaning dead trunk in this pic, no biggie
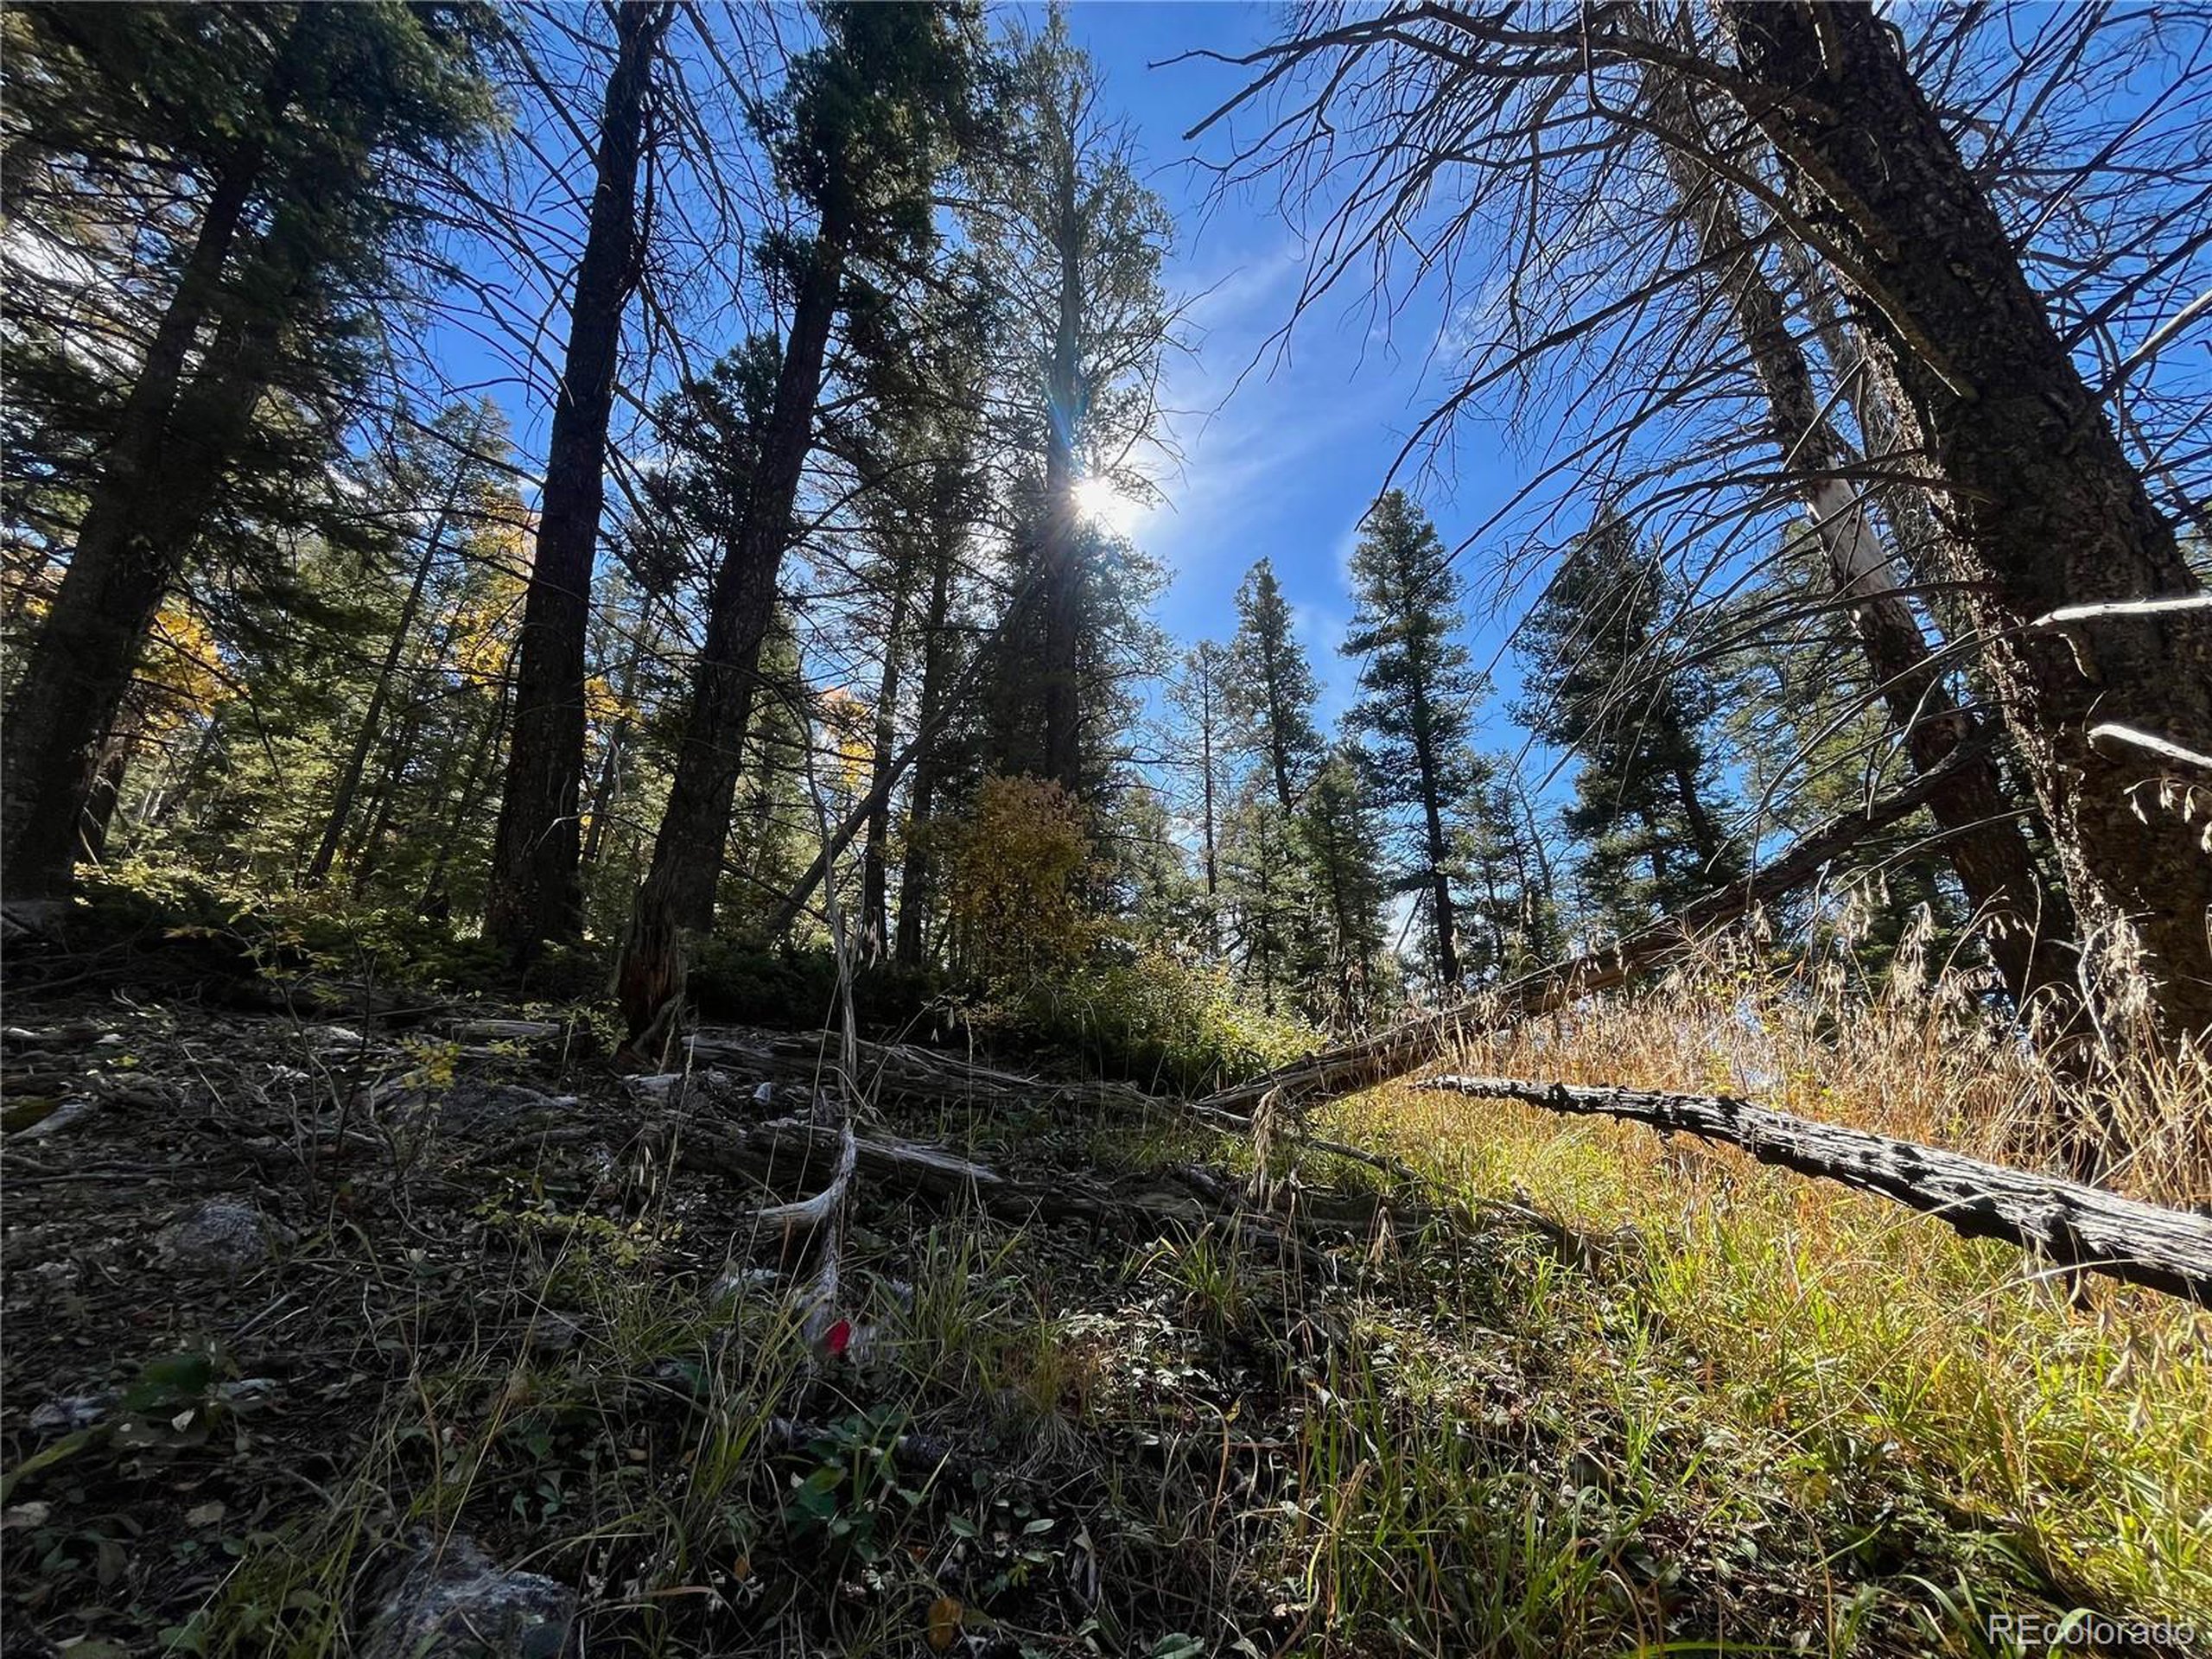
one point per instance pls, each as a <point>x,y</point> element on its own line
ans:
<point>1412,1044</point>
<point>1984,840</point>
<point>534,894</point>
<point>2082,1229</point>
<point>2037,505</point>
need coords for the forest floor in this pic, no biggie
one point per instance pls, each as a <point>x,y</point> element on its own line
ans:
<point>318,1331</point>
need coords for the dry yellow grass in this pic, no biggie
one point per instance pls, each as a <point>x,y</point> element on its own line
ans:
<point>1875,1340</point>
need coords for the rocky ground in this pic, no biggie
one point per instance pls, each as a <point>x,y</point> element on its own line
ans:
<point>434,1334</point>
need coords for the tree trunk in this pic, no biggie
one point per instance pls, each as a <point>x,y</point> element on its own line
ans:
<point>677,896</point>
<point>466,803</point>
<point>534,894</point>
<point>608,789</point>
<point>1432,809</point>
<point>695,828</point>
<point>1210,811</point>
<point>1278,741</point>
<point>921,799</point>
<point>357,759</point>
<point>1984,842</point>
<point>157,481</point>
<point>1062,566</point>
<point>2037,506</point>
<point>106,800</point>
<point>1704,835</point>
<point>875,850</point>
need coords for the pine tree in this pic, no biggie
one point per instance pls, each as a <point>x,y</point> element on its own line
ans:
<point>1267,897</point>
<point>535,854</point>
<point>1201,696</point>
<point>1416,713</point>
<point>280,126</point>
<point>867,122</point>
<point>1272,690</point>
<point>447,469</point>
<point>1512,914</point>
<point>1643,795</point>
<point>1266,880</point>
<point>1071,244</point>
<point>1341,828</point>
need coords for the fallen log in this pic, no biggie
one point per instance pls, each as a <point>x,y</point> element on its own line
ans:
<point>2081,1228</point>
<point>778,1155</point>
<point>901,1073</point>
<point>789,1149</point>
<point>1413,1044</point>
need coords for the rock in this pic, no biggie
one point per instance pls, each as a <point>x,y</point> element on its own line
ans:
<point>30,921</point>
<point>553,1334</point>
<point>450,1599</point>
<point>71,1412</point>
<point>739,1283</point>
<point>46,1281</point>
<point>471,1107</point>
<point>64,1115</point>
<point>221,1236</point>
<point>476,1110</point>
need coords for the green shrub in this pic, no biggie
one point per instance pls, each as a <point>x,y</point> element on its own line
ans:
<point>165,912</point>
<point>1151,1020</point>
<point>747,983</point>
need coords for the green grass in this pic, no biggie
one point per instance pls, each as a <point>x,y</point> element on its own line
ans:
<point>1724,1410</point>
<point>1886,1362</point>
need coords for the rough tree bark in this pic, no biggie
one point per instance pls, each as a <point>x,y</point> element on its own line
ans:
<point>2036,503</point>
<point>534,895</point>
<point>1984,842</point>
<point>677,896</point>
<point>2082,1229</point>
<point>157,479</point>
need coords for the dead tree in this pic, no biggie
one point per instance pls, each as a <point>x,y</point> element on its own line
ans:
<point>2080,1229</point>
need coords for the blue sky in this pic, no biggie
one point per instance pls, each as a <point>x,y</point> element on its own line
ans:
<point>1281,445</point>
<point>1281,449</point>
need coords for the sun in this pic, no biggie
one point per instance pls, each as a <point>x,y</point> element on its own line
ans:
<point>1098,503</point>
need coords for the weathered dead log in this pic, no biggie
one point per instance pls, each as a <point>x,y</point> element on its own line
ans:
<point>784,1155</point>
<point>1415,1043</point>
<point>2081,1228</point>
